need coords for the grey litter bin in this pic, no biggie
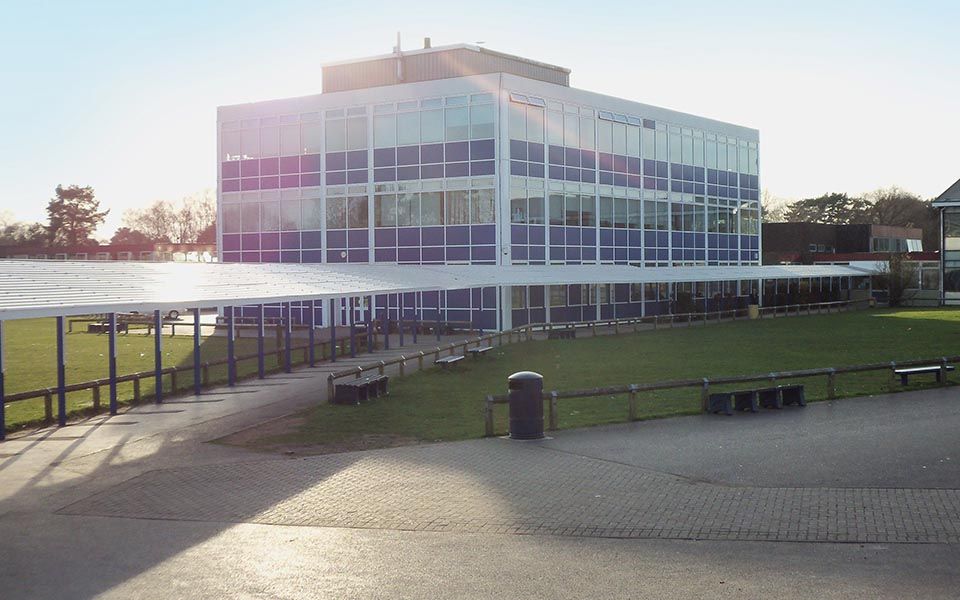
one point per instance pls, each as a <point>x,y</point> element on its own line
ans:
<point>526,405</point>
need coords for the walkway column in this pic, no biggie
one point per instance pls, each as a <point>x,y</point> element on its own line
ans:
<point>287,336</point>
<point>61,374</point>
<point>400,317</point>
<point>157,356</point>
<point>197,381</point>
<point>3,397</point>
<point>386,324</point>
<point>353,331</point>
<point>333,332</point>
<point>438,315</point>
<point>369,324</point>
<point>231,340</point>
<point>311,355</point>
<point>261,367</point>
<point>417,302</point>
<point>112,360</point>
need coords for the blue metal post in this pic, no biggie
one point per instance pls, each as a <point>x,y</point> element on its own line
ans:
<point>333,333</point>
<point>287,336</point>
<point>112,360</point>
<point>417,299</point>
<point>400,317</point>
<point>311,336</point>
<point>261,367</point>
<point>197,381</point>
<point>158,356</point>
<point>61,374</point>
<point>386,324</point>
<point>231,340</point>
<point>3,397</point>
<point>438,316</point>
<point>353,332</point>
<point>369,324</point>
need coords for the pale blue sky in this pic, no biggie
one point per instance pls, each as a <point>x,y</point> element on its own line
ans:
<point>122,96</point>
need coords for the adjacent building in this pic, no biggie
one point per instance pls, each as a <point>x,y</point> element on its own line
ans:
<point>948,204</point>
<point>463,155</point>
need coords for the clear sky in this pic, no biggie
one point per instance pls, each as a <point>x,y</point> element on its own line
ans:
<point>847,95</point>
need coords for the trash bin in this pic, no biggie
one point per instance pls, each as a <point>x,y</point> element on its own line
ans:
<point>526,405</point>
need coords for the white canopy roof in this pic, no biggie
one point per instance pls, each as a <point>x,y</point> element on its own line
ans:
<point>43,288</point>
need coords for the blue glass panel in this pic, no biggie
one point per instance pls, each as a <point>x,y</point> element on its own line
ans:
<point>535,169</point>
<point>269,241</point>
<point>662,168</point>
<point>588,175</point>
<point>571,174</point>
<point>336,177</point>
<point>606,236</point>
<point>634,237</point>
<point>482,167</point>
<point>409,255</point>
<point>407,173</point>
<point>556,236</point>
<point>556,155</point>
<point>572,236</point>
<point>357,159</point>
<point>537,234</point>
<point>663,238</point>
<point>357,176</point>
<point>483,234</point>
<point>712,176</point>
<point>384,157</point>
<point>687,173</point>
<point>290,240</point>
<point>457,151</point>
<point>385,237</point>
<point>458,235</point>
<point>432,254</point>
<point>431,171</point>
<point>457,169</point>
<point>699,255</point>
<point>556,253</point>
<point>311,239</point>
<point>408,155</point>
<point>676,238</point>
<point>722,177</point>
<point>588,159</point>
<point>518,234</point>
<point>534,152</point>
<point>481,150</point>
<point>699,188</point>
<point>620,255</point>
<point>619,163</point>
<point>489,296</point>
<point>606,253</point>
<point>663,254</point>
<point>698,174</point>
<point>620,237</point>
<point>662,185</point>
<point>537,253</point>
<point>556,172</point>
<point>408,236</point>
<point>688,187</point>
<point>483,252</point>
<point>649,167</point>
<point>356,256</point>
<point>606,178</point>
<point>620,179</point>
<point>231,242</point>
<point>518,150</point>
<point>649,183</point>
<point>676,186</point>
<point>431,236</point>
<point>430,153</point>
<point>336,161</point>
<point>588,236</point>
<point>385,174</point>
<point>571,157</point>
<point>676,171</point>
<point>311,256</point>
<point>633,165</point>
<point>357,238</point>
<point>589,253</point>
<point>518,252</point>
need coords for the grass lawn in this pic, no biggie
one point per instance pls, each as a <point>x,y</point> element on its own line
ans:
<point>435,405</point>
<point>30,352</point>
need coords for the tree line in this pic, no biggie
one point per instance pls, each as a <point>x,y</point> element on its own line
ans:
<point>74,214</point>
<point>885,206</point>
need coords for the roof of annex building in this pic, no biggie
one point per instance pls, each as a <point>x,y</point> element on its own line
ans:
<point>44,288</point>
<point>950,196</point>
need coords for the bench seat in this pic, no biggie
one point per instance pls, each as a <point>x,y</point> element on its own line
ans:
<point>906,373</point>
<point>480,351</point>
<point>446,361</point>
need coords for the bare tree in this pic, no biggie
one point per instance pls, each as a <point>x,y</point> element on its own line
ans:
<point>182,223</point>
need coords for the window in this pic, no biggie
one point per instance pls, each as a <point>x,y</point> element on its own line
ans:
<point>518,201</point>
<point>385,210</point>
<point>558,295</point>
<point>336,135</point>
<point>270,216</point>
<point>250,217</point>
<point>408,128</point>
<point>431,208</point>
<point>357,212</point>
<point>431,126</point>
<point>572,209</point>
<point>336,213</point>
<point>289,140</point>
<point>290,215</point>
<point>231,218</point>
<point>384,131</point>
<point>481,121</point>
<point>270,141</point>
<point>636,292</point>
<point>482,206</point>
<point>310,214</point>
<point>310,137</point>
<point>556,209</point>
<point>518,296</point>
<point>534,124</point>
<point>356,133</point>
<point>458,207</point>
<point>457,124</point>
<point>588,210</point>
<point>408,209</point>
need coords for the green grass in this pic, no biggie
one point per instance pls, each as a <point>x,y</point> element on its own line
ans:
<point>30,357</point>
<point>447,405</point>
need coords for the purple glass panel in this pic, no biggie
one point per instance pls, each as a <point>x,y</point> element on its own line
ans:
<point>571,174</point>
<point>408,155</point>
<point>270,257</point>
<point>535,169</point>
<point>385,237</point>
<point>431,171</point>
<point>290,240</point>
<point>518,151</point>
<point>634,237</point>
<point>518,234</point>
<point>588,159</point>
<point>289,181</point>
<point>289,164</point>
<point>633,165</point>
<point>589,253</point>
<point>722,177</point>
<point>662,185</point>
<point>357,176</point>
<point>649,183</point>
<point>698,188</point>
<point>698,174</point>
<point>269,241</point>
<point>588,175</point>
<point>556,253</point>
<point>408,254</point>
<point>357,159</point>
<point>336,161</point>
<point>606,177</point>
<point>556,155</point>
<point>482,167</point>
<point>571,157</point>
<point>310,179</point>
<point>633,181</point>
<point>556,236</point>
<point>457,151</point>
<point>588,236</point>
<point>537,253</point>
<point>250,257</point>
<point>407,173</point>
<point>518,252</point>
<point>534,152</point>
<point>310,163</point>
<point>620,237</point>
<point>537,234</point>
<point>620,179</point>
<point>231,185</point>
<point>385,174</point>
<point>359,256</point>
<point>606,253</point>
<point>458,235</point>
<point>518,168</point>
<point>483,234</point>
<point>619,163</point>
<point>606,161</point>
<point>337,239</point>
<point>408,236</point>
<point>336,256</point>
<point>483,253</point>
<point>676,171</point>
<point>431,236</point>
<point>432,254</point>
<point>620,254</point>
<point>429,153</point>
<point>311,256</point>
<point>269,166</point>
<point>662,168</point>
<point>231,242</point>
<point>649,167</point>
<point>250,241</point>
<point>687,173</point>
<point>572,236</point>
<point>687,187</point>
<point>385,255</point>
<point>290,256</point>
<point>556,172</point>
<point>457,169</point>
<point>606,236</point>
<point>252,183</point>
<point>712,176</point>
<point>357,238</point>
<point>230,169</point>
<point>481,150</point>
<point>385,157</point>
<point>250,167</point>
<point>311,239</point>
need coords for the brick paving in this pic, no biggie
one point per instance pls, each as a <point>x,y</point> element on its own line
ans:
<point>498,486</point>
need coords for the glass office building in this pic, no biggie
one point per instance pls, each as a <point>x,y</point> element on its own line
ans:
<point>462,155</point>
<point>948,204</point>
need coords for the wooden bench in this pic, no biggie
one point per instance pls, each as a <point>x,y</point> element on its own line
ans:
<point>746,400</point>
<point>770,398</point>
<point>792,394</point>
<point>752,400</point>
<point>480,351</point>
<point>446,361</point>
<point>105,327</point>
<point>906,373</point>
<point>360,390</point>
<point>567,333</point>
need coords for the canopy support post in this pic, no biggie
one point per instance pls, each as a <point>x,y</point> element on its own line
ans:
<point>287,337</point>
<point>311,337</point>
<point>231,341</point>
<point>261,366</point>
<point>353,331</point>
<point>400,317</point>
<point>112,360</point>
<point>386,323</point>
<point>417,301</point>
<point>157,357</point>
<point>333,332</point>
<point>438,315</point>
<point>3,397</point>
<point>197,380</point>
<point>369,324</point>
<point>61,375</point>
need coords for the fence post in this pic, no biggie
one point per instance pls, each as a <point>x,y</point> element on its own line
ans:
<point>705,395</point>
<point>420,361</point>
<point>616,327</point>
<point>47,406</point>
<point>510,337</point>
<point>893,376</point>
<point>173,380</point>
<point>633,402</point>
<point>136,389</point>
<point>359,372</point>
<point>593,328</point>
<point>205,369</point>
<point>488,417</point>
<point>552,412</point>
<point>403,365</point>
<point>329,387</point>
<point>380,368</point>
<point>96,397</point>
<point>943,370</point>
<point>832,384</point>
